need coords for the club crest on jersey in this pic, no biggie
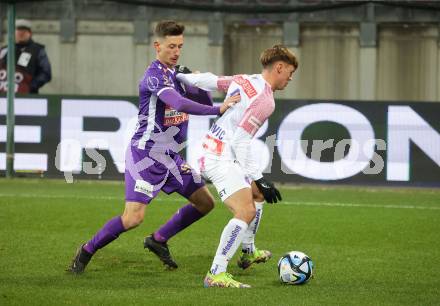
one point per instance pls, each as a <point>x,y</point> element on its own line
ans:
<point>249,90</point>
<point>152,83</point>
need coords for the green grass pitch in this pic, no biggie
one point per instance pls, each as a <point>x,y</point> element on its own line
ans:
<point>370,246</point>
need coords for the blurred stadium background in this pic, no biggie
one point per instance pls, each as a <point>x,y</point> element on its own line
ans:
<point>383,52</point>
<point>357,50</point>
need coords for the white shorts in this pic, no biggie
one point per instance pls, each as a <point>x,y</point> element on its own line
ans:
<point>227,176</point>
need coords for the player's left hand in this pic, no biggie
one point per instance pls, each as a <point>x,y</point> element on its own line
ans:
<point>270,193</point>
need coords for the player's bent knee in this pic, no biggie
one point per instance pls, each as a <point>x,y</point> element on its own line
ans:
<point>132,220</point>
<point>203,201</point>
<point>209,205</point>
<point>133,215</point>
<point>208,201</point>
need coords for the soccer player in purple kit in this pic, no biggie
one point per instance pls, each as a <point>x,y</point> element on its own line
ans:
<point>152,159</point>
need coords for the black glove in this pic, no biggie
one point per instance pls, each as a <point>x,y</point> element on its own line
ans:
<point>270,193</point>
<point>182,69</point>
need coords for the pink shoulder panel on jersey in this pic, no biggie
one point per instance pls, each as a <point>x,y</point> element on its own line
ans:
<point>258,111</point>
<point>223,83</point>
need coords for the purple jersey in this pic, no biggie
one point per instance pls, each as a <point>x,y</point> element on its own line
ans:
<point>152,160</point>
<point>155,117</point>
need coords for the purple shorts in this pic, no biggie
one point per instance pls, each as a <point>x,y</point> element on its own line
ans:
<point>146,176</point>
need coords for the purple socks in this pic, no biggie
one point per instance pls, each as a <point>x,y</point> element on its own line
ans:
<point>184,217</point>
<point>109,232</point>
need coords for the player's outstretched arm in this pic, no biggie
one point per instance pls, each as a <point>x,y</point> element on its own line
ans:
<point>206,81</point>
<point>194,93</point>
<point>172,98</point>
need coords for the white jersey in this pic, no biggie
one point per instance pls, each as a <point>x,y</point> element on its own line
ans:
<point>229,138</point>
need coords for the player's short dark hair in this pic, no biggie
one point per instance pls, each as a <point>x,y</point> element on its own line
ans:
<point>278,53</point>
<point>169,28</point>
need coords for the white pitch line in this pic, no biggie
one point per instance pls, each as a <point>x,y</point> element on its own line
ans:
<point>56,196</point>
<point>358,205</point>
<point>121,198</point>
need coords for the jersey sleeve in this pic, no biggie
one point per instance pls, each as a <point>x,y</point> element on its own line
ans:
<point>181,104</point>
<point>159,84</point>
<point>253,118</point>
<point>206,81</point>
<point>258,111</point>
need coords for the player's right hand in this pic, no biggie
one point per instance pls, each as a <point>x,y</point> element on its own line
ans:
<point>270,193</point>
<point>229,102</point>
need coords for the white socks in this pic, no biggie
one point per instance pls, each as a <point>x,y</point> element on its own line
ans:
<point>248,244</point>
<point>230,240</point>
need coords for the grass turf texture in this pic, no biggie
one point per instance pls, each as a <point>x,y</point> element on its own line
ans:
<point>374,247</point>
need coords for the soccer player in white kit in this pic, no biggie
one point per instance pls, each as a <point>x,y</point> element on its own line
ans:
<point>228,163</point>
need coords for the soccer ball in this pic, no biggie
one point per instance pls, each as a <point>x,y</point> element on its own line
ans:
<point>295,268</point>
